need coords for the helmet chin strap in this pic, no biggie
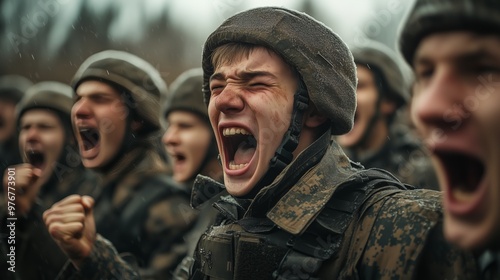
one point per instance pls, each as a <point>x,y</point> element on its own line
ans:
<point>284,154</point>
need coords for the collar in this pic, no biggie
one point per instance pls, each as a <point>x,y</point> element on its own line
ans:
<point>296,210</point>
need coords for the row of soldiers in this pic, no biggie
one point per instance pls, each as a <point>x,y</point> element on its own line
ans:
<point>276,197</point>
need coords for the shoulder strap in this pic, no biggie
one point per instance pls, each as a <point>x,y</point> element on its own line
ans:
<point>323,239</point>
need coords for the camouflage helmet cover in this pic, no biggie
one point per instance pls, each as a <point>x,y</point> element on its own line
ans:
<point>375,54</point>
<point>185,93</point>
<point>318,54</point>
<point>131,72</point>
<point>431,16</point>
<point>51,95</point>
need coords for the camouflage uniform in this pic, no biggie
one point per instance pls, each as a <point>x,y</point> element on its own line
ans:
<point>144,215</point>
<point>334,222</point>
<point>140,213</point>
<point>37,255</point>
<point>428,17</point>
<point>321,216</point>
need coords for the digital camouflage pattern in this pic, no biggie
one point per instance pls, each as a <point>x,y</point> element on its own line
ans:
<point>103,263</point>
<point>325,217</point>
<point>322,59</point>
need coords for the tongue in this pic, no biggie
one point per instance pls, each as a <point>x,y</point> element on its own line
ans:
<point>244,153</point>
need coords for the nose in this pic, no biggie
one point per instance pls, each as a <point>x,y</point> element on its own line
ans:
<point>439,103</point>
<point>31,134</point>
<point>229,100</point>
<point>81,109</point>
<point>170,137</point>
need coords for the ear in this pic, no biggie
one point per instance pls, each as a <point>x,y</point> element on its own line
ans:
<point>387,107</point>
<point>314,118</point>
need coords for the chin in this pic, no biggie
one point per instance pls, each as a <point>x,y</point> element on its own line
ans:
<point>473,236</point>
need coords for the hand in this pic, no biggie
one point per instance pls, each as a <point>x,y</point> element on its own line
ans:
<point>26,186</point>
<point>71,224</point>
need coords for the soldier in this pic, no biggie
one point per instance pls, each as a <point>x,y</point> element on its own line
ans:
<point>375,140</point>
<point>188,139</point>
<point>278,85</point>
<point>190,145</point>
<point>12,89</point>
<point>453,48</point>
<point>140,210</point>
<point>51,171</point>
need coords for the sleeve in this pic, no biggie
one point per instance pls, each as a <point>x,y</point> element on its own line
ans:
<point>104,263</point>
<point>406,241</point>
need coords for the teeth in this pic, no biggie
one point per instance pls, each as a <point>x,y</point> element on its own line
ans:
<point>234,166</point>
<point>235,131</point>
<point>84,129</point>
<point>460,195</point>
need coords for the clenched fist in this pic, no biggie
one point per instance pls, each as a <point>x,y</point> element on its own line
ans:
<point>71,224</point>
<point>27,186</point>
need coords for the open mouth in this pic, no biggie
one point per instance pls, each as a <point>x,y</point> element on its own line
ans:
<point>2,122</point>
<point>35,158</point>
<point>464,175</point>
<point>239,147</point>
<point>90,138</point>
<point>178,158</point>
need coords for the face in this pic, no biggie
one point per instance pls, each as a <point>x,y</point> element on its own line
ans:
<point>455,95</point>
<point>187,140</point>
<point>99,118</point>
<point>7,119</point>
<point>250,110</point>
<point>366,99</point>
<point>41,139</point>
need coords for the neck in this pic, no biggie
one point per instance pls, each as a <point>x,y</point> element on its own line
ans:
<point>377,138</point>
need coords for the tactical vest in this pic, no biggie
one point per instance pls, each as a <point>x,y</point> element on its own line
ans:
<point>256,248</point>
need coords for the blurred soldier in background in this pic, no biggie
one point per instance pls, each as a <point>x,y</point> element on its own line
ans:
<point>140,210</point>
<point>52,170</point>
<point>454,50</point>
<point>191,146</point>
<point>12,89</point>
<point>376,140</point>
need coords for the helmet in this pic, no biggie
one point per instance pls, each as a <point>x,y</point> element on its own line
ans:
<point>13,87</point>
<point>132,73</point>
<point>314,50</point>
<point>431,16</point>
<point>47,95</point>
<point>185,94</point>
<point>377,55</point>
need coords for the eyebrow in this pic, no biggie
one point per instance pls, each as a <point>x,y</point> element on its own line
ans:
<point>467,57</point>
<point>244,75</point>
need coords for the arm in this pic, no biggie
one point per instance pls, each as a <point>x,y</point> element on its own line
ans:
<point>71,224</point>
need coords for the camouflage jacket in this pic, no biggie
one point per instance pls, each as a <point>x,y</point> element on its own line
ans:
<point>403,156</point>
<point>141,217</point>
<point>324,217</point>
<point>37,254</point>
